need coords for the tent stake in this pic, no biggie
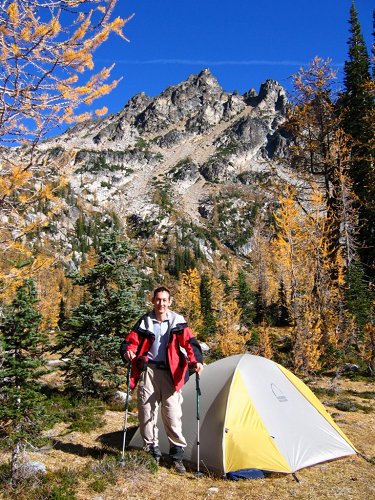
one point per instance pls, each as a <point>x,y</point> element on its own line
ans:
<point>295,477</point>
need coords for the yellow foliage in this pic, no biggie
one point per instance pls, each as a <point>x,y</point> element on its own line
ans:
<point>231,339</point>
<point>307,345</point>
<point>367,346</point>
<point>312,279</point>
<point>265,346</point>
<point>117,25</point>
<point>13,13</point>
<point>55,27</point>
<point>102,111</point>
<point>23,198</point>
<point>46,54</point>
<point>187,298</point>
<point>5,187</point>
<point>15,49</point>
<point>46,193</point>
<point>48,281</point>
<point>82,29</point>
<point>82,117</point>
<point>266,276</point>
<point>104,89</point>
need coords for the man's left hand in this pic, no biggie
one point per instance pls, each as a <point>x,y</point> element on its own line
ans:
<point>198,368</point>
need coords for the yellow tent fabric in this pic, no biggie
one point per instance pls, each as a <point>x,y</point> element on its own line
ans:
<point>247,442</point>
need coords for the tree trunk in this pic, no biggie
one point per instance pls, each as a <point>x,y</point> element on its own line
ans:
<point>18,457</point>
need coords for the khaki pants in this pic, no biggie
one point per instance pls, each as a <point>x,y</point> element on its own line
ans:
<point>156,388</point>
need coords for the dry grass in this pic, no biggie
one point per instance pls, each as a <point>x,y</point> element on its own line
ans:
<point>349,478</point>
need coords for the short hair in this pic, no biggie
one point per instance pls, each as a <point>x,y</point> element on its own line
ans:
<point>161,289</point>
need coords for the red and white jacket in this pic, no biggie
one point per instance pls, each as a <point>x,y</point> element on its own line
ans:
<point>183,349</point>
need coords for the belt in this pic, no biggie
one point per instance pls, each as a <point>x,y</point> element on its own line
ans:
<point>158,364</point>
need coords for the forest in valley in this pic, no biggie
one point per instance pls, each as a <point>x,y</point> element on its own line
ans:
<point>304,298</point>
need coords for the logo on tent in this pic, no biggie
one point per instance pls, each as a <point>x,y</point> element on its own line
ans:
<point>278,393</point>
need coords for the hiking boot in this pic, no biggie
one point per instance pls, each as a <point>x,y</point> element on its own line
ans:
<point>156,453</point>
<point>179,467</point>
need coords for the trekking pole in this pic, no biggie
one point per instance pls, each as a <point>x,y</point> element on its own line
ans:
<point>122,461</point>
<point>198,391</point>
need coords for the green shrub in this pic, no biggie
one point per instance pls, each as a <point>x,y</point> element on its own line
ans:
<point>86,416</point>
<point>59,485</point>
<point>138,460</point>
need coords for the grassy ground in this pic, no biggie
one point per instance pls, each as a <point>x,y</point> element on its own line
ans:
<point>75,453</point>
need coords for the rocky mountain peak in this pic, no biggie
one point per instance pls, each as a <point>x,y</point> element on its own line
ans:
<point>135,106</point>
<point>188,150</point>
<point>272,95</point>
<point>196,102</point>
<point>206,80</point>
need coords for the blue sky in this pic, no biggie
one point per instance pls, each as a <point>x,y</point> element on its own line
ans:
<point>243,42</point>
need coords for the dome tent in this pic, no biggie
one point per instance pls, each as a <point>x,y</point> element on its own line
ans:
<point>255,414</point>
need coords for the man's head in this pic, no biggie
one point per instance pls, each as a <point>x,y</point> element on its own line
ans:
<point>161,301</point>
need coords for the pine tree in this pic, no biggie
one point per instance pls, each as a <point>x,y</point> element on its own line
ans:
<point>282,312</point>
<point>246,300</point>
<point>358,299</point>
<point>265,281</point>
<point>358,106</point>
<point>356,98</point>
<point>23,345</point>
<point>367,347</point>
<point>97,326</point>
<point>208,316</point>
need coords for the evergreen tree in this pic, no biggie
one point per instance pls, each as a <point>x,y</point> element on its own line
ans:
<point>246,300</point>
<point>358,299</point>
<point>356,99</point>
<point>97,326</point>
<point>22,344</point>
<point>283,318</point>
<point>208,316</point>
<point>358,105</point>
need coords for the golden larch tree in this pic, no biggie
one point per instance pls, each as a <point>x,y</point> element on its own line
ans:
<point>46,73</point>
<point>231,339</point>
<point>187,298</point>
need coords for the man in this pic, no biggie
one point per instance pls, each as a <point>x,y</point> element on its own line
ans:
<point>161,348</point>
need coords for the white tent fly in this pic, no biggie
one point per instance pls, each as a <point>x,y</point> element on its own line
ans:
<point>255,414</point>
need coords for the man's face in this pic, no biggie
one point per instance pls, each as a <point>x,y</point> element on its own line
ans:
<point>161,302</point>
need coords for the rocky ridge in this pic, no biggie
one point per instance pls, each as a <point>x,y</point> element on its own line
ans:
<point>173,157</point>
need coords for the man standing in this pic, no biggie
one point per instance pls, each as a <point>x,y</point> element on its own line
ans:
<point>161,348</point>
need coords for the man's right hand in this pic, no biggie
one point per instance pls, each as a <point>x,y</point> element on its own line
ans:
<point>129,356</point>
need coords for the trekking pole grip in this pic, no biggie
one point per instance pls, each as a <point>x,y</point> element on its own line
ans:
<point>197,386</point>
